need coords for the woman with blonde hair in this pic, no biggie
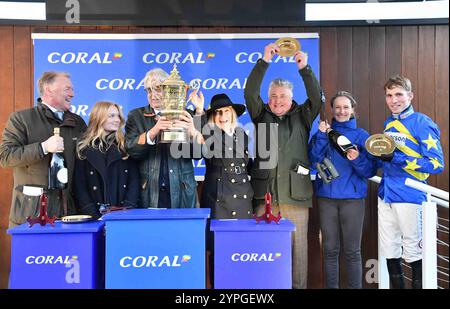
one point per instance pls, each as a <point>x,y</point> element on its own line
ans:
<point>226,189</point>
<point>104,177</point>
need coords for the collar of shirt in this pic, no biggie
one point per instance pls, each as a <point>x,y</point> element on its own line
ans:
<point>50,107</point>
<point>404,114</point>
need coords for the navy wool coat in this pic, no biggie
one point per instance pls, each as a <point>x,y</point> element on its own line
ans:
<point>105,178</point>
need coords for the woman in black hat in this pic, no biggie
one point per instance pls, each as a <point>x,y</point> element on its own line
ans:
<point>227,189</point>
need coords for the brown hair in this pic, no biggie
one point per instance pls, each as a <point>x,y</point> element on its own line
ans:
<point>398,81</point>
<point>48,78</point>
<point>346,94</point>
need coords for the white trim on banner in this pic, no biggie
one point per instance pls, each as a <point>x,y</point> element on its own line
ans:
<point>169,36</point>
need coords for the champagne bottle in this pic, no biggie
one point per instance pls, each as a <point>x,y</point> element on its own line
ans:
<point>57,171</point>
<point>341,143</point>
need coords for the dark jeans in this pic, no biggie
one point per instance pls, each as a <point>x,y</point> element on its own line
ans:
<point>344,216</point>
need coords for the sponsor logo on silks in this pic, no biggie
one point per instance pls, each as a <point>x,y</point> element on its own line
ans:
<point>153,261</point>
<point>399,138</point>
<point>117,55</point>
<point>255,257</point>
<point>49,259</point>
<point>210,55</point>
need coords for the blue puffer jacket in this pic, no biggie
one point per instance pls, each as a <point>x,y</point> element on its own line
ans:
<point>352,180</point>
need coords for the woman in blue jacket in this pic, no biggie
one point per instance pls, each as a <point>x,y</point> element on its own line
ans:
<point>341,201</point>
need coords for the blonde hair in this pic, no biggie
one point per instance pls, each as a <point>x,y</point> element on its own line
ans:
<point>234,117</point>
<point>48,78</point>
<point>95,135</point>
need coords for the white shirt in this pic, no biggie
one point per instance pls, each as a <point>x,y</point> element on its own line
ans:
<point>149,141</point>
<point>54,110</point>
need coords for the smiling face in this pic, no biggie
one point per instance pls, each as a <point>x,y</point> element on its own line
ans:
<point>398,99</point>
<point>154,96</point>
<point>112,122</point>
<point>342,109</point>
<point>223,118</point>
<point>59,93</point>
<point>280,100</point>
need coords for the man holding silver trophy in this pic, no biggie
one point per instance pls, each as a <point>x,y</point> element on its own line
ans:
<point>409,148</point>
<point>154,132</point>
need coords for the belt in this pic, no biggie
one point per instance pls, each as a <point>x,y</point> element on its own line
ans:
<point>106,208</point>
<point>235,170</point>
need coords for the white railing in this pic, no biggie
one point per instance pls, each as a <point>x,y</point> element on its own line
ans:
<point>429,235</point>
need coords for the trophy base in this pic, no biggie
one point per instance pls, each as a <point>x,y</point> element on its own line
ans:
<point>172,136</point>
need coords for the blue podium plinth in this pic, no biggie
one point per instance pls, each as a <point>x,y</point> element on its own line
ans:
<point>66,256</point>
<point>248,255</point>
<point>156,248</point>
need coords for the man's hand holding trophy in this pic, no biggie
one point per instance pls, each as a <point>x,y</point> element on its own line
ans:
<point>381,146</point>
<point>174,124</point>
<point>286,47</point>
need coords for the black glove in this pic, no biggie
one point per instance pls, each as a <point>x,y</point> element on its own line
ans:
<point>387,157</point>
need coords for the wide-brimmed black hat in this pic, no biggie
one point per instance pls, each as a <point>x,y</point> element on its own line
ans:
<point>222,100</point>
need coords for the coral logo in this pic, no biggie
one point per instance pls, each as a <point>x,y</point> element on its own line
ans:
<point>245,57</point>
<point>83,57</point>
<point>218,83</point>
<point>153,261</point>
<point>186,258</point>
<point>255,257</point>
<point>210,55</point>
<point>49,259</point>
<point>174,57</point>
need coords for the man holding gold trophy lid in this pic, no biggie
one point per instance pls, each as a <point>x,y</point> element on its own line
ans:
<point>416,155</point>
<point>153,132</point>
<point>284,126</point>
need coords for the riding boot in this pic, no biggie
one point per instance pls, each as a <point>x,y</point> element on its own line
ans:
<point>396,273</point>
<point>416,274</point>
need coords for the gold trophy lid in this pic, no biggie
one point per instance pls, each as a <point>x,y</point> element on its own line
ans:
<point>288,46</point>
<point>380,144</point>
<point>174,78</point>
<point>76,218</point>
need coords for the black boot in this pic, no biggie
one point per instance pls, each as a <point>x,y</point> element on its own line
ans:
<point>396,273</point>
<point>416,274</point>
